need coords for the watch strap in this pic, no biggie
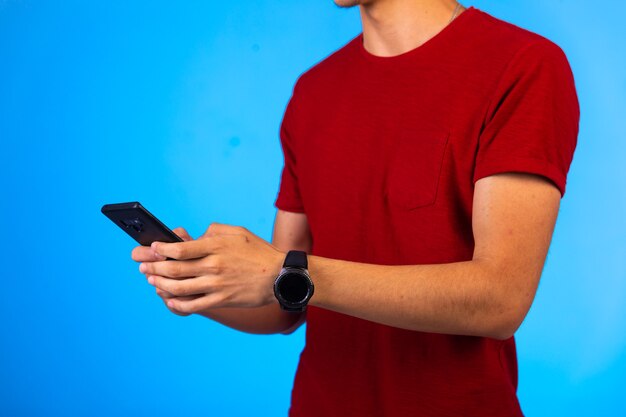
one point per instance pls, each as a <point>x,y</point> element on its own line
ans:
<point>293,309</point>
<point>296,258</point>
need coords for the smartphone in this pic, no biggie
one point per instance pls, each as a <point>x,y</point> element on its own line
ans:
<point>139,223</point>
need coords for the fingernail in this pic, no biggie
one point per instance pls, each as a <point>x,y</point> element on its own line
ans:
<point>170,304</point>
<point>142,267</point>
<point>151,280</point>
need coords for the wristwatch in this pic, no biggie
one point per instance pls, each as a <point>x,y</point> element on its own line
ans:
<point>293,286</point>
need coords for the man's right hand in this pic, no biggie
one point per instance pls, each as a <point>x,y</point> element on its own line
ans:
<point>291,232</point>
<point>146,254</point>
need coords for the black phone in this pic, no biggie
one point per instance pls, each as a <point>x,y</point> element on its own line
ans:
<point>139,223</point>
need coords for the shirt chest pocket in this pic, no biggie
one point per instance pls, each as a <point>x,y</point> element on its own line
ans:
<point>416,160</point>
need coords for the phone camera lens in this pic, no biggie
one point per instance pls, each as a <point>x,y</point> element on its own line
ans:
<point>135,224</point>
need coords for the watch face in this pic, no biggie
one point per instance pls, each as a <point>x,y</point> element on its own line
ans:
<point>293,287</point>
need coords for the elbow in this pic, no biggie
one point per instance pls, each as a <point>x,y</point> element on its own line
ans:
<point>506,324</point>
<point>508,306</point>
<point>502,334</point>
<point>505,317</point>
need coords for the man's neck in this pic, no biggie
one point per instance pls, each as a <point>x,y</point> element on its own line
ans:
<point>392,27</point>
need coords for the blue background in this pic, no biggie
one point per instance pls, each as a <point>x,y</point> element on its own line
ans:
<point>178,105</point>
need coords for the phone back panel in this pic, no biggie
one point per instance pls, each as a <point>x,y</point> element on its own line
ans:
<point>139,223</point>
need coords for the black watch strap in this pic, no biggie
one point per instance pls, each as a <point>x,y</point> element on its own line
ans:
<point>293,309</point>
<point>296,258</point>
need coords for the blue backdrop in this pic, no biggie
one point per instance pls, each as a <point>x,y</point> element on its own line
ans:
<point>178,105</point>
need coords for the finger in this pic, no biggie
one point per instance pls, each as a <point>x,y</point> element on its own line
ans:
<point>182,233</point>
<point>186,250</point>
<point>185,298</point>
<point>145,254</point>
<point>178,313</point>
<point>193,306</point>
<point>181,288</point>
<point>175,269</point>
<point>165,296</point>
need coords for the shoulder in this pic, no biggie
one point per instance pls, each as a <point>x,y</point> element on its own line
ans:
<point>327,69</point>
<point>510,43</point>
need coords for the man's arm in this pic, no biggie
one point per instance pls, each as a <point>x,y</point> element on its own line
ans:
<point>291,231</point>
<point>513,221</point>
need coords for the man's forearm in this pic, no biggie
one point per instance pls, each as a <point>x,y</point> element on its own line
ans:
<point>466,298</point>
<point>260,320</point>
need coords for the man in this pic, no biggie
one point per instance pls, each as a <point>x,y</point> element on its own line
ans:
<point>424,166</point>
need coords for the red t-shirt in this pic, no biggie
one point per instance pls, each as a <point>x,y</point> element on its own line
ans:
<point>382,153</point>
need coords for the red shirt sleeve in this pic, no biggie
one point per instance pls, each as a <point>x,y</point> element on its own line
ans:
<point>288,197</point>
<point>532,120</point>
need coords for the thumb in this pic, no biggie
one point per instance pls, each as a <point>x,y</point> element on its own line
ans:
<point>180,231</point>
